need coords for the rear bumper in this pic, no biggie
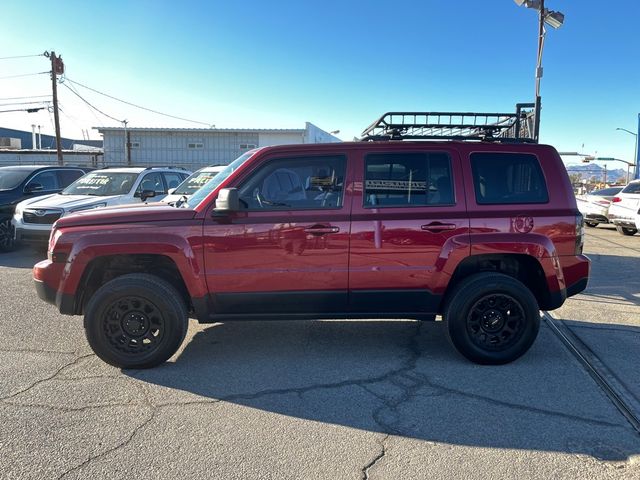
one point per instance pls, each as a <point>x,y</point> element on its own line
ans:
<point>575,270</point>
<point>594,217</point>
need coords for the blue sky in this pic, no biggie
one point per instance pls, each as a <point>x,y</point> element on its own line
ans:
<point>337,64</point>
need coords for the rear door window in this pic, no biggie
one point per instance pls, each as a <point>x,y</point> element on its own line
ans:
<point>508,178</point>
<point>408,179</point>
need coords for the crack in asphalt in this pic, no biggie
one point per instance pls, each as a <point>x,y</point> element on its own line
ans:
<point>376,459</point>
<point>51,377</point>
<point>122,444</point>
<point>37,350</point>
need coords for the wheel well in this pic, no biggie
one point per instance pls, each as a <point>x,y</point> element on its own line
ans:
<point>524,268</point>
<point>103,269</point>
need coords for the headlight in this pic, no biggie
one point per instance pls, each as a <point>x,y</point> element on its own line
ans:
<point>89,207</point>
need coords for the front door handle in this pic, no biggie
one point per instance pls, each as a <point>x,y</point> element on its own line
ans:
<point>436,227</point>
<point>321,229</point>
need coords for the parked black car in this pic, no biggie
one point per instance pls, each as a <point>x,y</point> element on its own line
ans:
<point>26,181</point>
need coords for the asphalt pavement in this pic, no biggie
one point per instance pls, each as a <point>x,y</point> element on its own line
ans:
<point>326,399</point>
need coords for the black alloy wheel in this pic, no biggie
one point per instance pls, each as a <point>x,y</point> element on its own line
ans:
<point>7,240</point>
<point>136,320</point>
<point>495,321</point>
<point>133,325</point>
<point>491,318</point>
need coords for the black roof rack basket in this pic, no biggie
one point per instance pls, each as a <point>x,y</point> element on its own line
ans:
<point>497,127</point>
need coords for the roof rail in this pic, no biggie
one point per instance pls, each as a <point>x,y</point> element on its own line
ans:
<point>487,127</point>
<point>164,166</point>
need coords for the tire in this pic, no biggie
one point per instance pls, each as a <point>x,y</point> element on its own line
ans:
<point>7,240</point>
<point>591,224</point>
<point>626,230</point>
<point>491,318</point>
<point>135,321</point>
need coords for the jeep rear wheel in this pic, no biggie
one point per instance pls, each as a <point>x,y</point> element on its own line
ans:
<point>626,230</point>
<point>591,224</point>
<point>7,241</point>
<point>492,318</point>
<point>135,321</point>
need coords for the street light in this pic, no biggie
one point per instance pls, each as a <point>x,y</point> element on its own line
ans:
<point>635,150</point>
<point>555,20</point>
<point>611,159</point>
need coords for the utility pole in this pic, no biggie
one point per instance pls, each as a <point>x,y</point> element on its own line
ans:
<point>127,143</point>
<point>57,68</point>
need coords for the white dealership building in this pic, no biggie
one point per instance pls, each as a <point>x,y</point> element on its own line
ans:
<point>195,148</point>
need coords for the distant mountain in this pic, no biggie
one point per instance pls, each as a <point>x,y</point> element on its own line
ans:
<point>588,171</point>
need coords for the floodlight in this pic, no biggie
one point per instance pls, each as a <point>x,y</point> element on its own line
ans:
<point>554,19</point>
<point>528,3</point>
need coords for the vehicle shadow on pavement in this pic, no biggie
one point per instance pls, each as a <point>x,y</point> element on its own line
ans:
<point>614,278</point>
<point>24,257</point>
<point>400,378</point>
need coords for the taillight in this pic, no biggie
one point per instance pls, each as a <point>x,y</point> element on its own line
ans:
<point>579,233</point>
<point>616,200</point>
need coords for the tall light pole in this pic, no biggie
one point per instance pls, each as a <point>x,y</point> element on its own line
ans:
<point>554,20</point>
<point>635,150</point>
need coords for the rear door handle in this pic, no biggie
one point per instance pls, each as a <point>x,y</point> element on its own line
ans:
<point>438,227</point>
<point>321,229</point>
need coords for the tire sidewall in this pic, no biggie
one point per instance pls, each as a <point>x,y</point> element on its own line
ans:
<point>467,294</point>
<point>7,229</point>
<point>161,294</point>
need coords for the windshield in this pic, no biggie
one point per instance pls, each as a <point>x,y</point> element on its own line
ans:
<point>194,182</point>
<point>102,184</point>
<point>10,179</point>
<point>212,184</point>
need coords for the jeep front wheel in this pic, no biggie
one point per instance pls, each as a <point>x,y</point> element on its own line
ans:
<point>135,321</point>
<point>492,318</point>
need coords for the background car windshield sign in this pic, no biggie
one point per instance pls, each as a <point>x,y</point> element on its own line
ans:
<point>102,184</point>
<point>196,182</point>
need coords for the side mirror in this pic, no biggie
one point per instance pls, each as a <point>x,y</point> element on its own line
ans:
<point>147,194</point>
<point>170,191</point>
<point>33,187</point>
<point>227,201</point>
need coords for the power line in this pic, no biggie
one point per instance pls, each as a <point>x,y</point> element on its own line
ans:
<point>96,109</point>
<point>93,113</point>
<point>24,75</point>
<point>22,56</point>
<point>29,96</point>
<point>138,106</point>
<point>23,103</point>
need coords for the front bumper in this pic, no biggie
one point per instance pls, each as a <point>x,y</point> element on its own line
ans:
<point>30,232</point>
<point>23,235</point>
<point>46,274</point>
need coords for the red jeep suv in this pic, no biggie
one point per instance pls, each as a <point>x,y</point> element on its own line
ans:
<point>482,230</point>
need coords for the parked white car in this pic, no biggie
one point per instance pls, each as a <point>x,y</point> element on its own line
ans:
<point>34,217</point>
<point>624,209</point>
<point>594,206</point>
<point>193,183</point>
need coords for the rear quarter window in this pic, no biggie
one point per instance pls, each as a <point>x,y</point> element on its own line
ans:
<point>508,178</point>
